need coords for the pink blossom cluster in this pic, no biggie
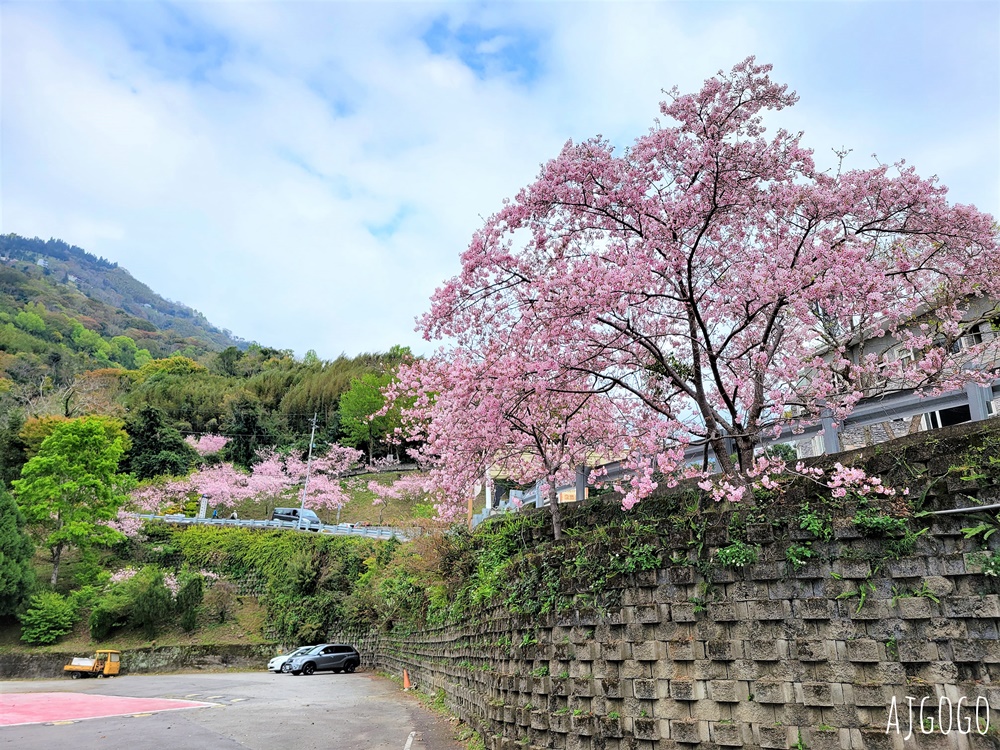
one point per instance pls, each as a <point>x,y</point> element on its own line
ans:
<point>126,522</point>
<point>225,485</point>
<point>171,582</point>
<point>411,485</point>
<point>122,575</point>
<point>206,445</point>
<point>382,465</point>
<point>857,481</point>
<point>128,573</point>
<point>707,285</point>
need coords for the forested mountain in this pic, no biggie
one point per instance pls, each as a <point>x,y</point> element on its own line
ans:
<point>68,268</point>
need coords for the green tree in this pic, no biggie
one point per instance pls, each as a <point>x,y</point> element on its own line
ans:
<point>72,486</point>
<point>227,362</point>
<point>90,341</point>
<point>151,600</point>
<point>157,448</point>
<point>124,351</point>
<point>16,549</point>
<point>30,322</point>
<point>48,618</point>
<point>357,413</point>
<point>12,448</point>
<point>247,431</point>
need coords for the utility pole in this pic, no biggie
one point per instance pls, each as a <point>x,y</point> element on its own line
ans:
<point>305,486</point>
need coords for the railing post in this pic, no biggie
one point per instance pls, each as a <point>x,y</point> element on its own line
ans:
<point>831,435</point>
<point>979,399</point>
<point>539,501</point>
<point>581,483</point>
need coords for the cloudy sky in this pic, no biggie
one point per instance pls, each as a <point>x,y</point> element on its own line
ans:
<point>307,173</point>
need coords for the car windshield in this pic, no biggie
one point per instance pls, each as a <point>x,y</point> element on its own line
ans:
<point>315,649</point>
<point>300,651</point>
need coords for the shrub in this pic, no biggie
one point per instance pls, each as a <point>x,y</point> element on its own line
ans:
<point>873,523</point>
<point>49,617</point>
<point>737,555</point>
<point>220,600</point>
<point>110,612</point>
<point>140,599</point>
<point>151,602</point>
<point>189,598</point>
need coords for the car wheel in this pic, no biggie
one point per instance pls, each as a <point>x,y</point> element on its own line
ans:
<point>74,675</point>
<point>350,667</point>
<point>100,676</point>
<point>286,668</point>
<point>308,668</point>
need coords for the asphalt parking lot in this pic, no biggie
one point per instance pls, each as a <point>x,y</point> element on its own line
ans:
<point>255,710</point>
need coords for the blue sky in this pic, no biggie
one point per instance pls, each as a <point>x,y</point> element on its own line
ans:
<point>307,173</point>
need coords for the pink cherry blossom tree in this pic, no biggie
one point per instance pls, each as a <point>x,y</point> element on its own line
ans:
<point>277,473</point>
<point>207,445</point>
<point>710,279</point>
<point>408,486</point>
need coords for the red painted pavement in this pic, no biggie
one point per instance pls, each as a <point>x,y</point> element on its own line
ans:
<point>41,708</point>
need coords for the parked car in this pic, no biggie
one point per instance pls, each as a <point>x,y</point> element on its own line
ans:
<point>275,664</point>
<point>305,516</point>
<point>335,657</point>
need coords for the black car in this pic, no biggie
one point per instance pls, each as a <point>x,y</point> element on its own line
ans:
<point>333,657</point>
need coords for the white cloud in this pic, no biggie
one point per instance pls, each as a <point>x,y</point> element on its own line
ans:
<point>307,173</point>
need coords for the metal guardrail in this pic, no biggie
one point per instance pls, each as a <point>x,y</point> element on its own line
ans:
<point>370,532</point>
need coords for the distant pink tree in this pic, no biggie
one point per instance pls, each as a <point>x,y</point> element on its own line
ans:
<point>274,475</point>
<point>408,486</point>
<point>207,445</point>
<point>277,473</point>
<point>710,283</point>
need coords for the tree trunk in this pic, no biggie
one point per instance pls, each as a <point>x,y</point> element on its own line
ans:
<point>56,555</point>
<point>554,510</point>
<point>915,424</point>
<point>722,455</point>
<point>744,453</point>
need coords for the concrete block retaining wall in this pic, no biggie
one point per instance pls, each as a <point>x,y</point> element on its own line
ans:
<point>767,657</point>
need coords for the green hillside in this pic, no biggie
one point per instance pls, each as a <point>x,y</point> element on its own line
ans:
<point>64,311</point>
<point>69,268</point>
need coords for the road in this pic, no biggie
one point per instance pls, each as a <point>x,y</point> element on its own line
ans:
<point>253,710</point>
<point>339,529</point>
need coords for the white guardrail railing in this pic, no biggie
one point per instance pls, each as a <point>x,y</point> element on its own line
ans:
<point>344,529</point>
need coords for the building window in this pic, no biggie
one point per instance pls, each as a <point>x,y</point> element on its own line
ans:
<point>947,417</point>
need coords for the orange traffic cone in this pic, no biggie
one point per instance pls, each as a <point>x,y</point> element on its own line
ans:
<point>406,680</point>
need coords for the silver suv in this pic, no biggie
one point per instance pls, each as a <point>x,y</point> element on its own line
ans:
<point>334,657</point>
<point>304,517</point>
